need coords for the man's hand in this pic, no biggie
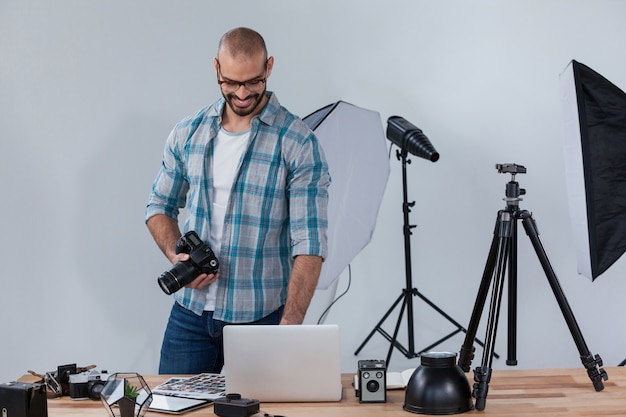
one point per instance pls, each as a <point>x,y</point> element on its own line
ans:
<point>201,280</point>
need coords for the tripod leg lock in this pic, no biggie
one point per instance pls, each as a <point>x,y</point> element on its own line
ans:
<point>594,370</point>
<point>482,376</point>
<point>465,357</point>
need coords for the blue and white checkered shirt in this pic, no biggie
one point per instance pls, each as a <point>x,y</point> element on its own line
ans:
<point>277,208</point>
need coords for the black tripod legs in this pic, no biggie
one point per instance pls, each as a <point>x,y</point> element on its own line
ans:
<point>502,260</point>
<point>405,301</point>
<point>496,255</point>
<point>405,298</point>
<point>482,376</point>
<point>590,362</point>
<point>493,275</point>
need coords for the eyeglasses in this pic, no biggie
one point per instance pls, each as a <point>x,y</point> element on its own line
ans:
<point>230,86</point>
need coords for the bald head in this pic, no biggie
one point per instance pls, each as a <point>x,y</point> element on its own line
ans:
<point>242,43</point>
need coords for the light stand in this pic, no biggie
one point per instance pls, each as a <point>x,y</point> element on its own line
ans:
<point>409,138</point>
<point>502,260</point>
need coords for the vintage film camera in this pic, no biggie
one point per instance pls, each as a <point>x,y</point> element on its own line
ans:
<point>372,381</point>
<point>22,399</point>
<point>202,260</point>
<point>87,385</point>
<point>232,405</point>
<point>58,382</point>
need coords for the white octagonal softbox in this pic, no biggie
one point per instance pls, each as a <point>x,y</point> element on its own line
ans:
<point>354,143</point>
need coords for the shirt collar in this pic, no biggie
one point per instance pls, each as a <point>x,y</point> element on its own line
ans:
<point>268,114</point>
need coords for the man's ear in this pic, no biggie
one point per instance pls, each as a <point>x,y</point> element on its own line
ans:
<point>270,65</point>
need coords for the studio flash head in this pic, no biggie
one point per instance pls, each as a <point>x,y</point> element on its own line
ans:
<point>410,138</point>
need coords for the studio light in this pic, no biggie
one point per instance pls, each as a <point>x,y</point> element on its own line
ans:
<point>358,182</point>
<point>409,137</point>
<point>438,386</point>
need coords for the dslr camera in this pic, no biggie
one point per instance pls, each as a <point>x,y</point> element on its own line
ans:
<point>201,260</point>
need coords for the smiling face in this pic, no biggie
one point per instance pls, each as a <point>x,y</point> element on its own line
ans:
<point>242,80</point>
<point>242,69</point>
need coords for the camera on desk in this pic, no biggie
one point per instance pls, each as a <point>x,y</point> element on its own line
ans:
<point>87,385</point>
<point>232,405</point>
<point>22,399</point>
<point>372,381</point>
<point>58,382</point>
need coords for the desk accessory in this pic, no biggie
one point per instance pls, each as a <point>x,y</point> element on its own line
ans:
<point>21,399</point>
<point>372,381</point>
<point>234,406</point>
<point>126,395</point>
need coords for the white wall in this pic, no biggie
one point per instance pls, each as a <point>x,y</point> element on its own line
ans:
<point>89,91</point>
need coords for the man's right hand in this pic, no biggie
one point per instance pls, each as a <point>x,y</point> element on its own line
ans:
<point>201,280</point>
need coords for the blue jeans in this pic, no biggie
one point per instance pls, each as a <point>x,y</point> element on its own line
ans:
<point>192,344</point>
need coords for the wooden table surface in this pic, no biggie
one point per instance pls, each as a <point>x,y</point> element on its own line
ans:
<point>545,392</point>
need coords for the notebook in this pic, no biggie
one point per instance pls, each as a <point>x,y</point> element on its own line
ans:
<point>288,363</point>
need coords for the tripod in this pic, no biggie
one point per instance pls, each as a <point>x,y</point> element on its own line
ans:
<point>502,259</point>
<point>406,297</point>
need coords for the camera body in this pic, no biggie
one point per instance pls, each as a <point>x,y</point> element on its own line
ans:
<point>234,406</point>
<point>95,383</point>
<point>22,399</point>
<point>202,260</point>
<point>372,381</point>
<point>87,385</point>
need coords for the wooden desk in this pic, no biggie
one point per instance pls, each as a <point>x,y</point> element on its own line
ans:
<point>545,392</point>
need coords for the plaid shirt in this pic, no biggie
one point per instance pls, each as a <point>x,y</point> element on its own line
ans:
<point>277,207</point>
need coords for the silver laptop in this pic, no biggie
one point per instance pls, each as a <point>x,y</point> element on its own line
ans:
<point>283,363</point>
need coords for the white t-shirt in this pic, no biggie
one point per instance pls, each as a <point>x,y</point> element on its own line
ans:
<point>227,152</point>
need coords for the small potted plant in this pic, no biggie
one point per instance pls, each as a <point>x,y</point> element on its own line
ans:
<point>126,395</point>
<point>127,403</point>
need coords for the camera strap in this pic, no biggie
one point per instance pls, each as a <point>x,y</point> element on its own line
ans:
<point>31,377</point>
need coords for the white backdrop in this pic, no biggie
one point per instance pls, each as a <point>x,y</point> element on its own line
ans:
<point>89,91</point>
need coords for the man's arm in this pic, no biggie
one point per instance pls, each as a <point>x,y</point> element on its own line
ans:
<point>302,284</point>
<point>166,233</point>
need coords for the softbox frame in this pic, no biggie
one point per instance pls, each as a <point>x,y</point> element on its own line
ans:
<point>595,162</point>
<point>354,143</point>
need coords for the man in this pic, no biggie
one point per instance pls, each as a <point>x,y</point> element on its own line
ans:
<point>254,180</point>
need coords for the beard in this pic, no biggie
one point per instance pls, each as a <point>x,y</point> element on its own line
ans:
<point>246,106</point>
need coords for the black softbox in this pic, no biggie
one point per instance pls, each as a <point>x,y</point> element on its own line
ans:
<point>595,148</point>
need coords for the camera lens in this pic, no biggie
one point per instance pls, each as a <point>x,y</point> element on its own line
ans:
<point>180,275</point>
<point>94,389</point>
<point>372,386</point>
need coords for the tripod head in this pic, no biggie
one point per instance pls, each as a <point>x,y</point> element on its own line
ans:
<point>513,191</point>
